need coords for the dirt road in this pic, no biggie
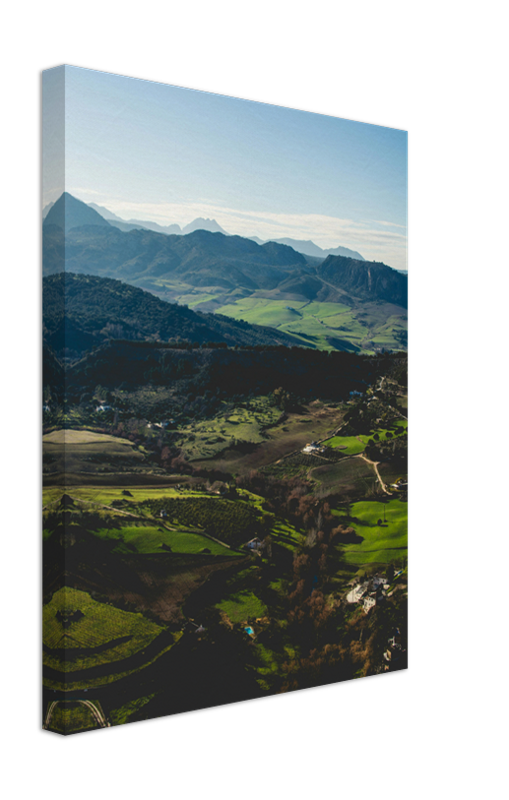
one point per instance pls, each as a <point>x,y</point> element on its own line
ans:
<point>375,464</point>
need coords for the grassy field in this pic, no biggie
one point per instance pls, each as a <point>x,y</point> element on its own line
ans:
<point>156,540</point>
<point>241,605</point>
<point>349,445</point>
<point>103,495</point>
<point>330,325</point>
<point>352,445</point>
<point>239,598</point>
<point>380,545</point>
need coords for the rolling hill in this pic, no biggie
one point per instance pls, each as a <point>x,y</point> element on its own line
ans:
<point>98,309</point>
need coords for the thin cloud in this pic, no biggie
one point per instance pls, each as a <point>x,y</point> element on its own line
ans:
<point>373,243</point>
<point>390,224</point>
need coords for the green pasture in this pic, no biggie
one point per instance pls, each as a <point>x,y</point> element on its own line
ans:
<point>195,299</point>
<point>349,445</point>
<point>300,319</point>
<point>241,605</point>
<point>149,539</point>
<point>380,545</point>
<point>352,445</point>
<point>239,600</point>
<point>105,495</point>
<point>324,310</point>
<point>309,327</point>
<point>262,311</point>
<point>397,430</point>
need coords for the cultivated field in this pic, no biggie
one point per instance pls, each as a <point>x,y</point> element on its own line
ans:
<point>314,422</point>
<point>83,452</point>
<point>79,632</point>
<point>353,476</point>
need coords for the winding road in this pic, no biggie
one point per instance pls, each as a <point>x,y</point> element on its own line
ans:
<point>375,464</point>
<point>95,710</point>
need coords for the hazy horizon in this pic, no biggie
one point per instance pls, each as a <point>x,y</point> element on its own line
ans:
<point>151,151</point>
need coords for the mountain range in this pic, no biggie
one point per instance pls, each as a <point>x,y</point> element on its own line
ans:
<point>306,247</point>
<point>334,301</point>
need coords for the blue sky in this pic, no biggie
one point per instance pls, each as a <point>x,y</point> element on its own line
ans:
<point>152,151</point>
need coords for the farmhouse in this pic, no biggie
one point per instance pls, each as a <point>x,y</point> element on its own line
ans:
<point>255,544</point>
<point>369,593</point>
<point>400,486</point>
<point>312,449</point>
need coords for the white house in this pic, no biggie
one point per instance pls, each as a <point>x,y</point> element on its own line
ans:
<point>312,449</point>
<point>368,603</point>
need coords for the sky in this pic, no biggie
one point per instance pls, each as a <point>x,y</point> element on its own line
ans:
<point>163,153</point>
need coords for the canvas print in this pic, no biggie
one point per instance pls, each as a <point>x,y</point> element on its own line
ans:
<point>224,400</point>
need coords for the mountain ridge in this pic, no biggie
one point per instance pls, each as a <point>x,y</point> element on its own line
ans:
<point>81,312</point>
<point>305,247</point>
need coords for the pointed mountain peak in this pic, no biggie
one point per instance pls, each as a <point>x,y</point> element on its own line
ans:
<point>68,213</point>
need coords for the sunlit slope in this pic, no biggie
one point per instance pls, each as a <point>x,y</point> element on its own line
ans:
<point>367,327</point>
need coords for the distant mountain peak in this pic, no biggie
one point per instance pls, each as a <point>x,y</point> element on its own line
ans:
<point>202,224</point>
<point>68,212</point>
<point>309,248</point>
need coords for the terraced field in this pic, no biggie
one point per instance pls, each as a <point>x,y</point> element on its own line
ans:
<point>80,633</point>
<point>87,452</point>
